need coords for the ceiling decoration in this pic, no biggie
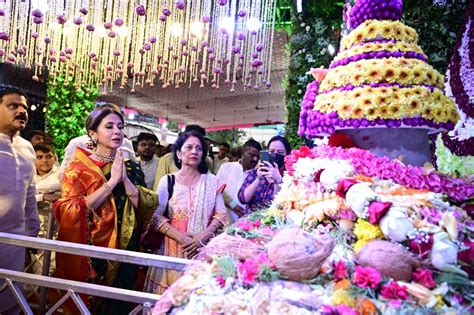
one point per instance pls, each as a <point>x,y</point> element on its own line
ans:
<point>155,43</point>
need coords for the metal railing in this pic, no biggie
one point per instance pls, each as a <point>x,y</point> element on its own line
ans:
<point>73,288</point>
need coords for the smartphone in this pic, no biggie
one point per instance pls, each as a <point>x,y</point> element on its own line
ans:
<point>264,156</point>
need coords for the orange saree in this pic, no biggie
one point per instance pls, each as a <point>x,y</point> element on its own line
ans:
<point>115,224</point>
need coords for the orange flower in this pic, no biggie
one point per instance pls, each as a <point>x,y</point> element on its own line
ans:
<point>365,306</point>
<point>414,105</point>
<point>371,31</point>
<point>343,284</point>
<point>381,100</point>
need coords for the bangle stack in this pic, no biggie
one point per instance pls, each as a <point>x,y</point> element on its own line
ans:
<point>133,194</point>
<point>107,188</point>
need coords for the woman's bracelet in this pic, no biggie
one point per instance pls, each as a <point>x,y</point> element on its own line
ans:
<point>107,188</point>
<point>133,194</point>
<point>166,230</point>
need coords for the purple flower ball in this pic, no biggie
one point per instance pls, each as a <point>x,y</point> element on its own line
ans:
<point>90,27</point>
<point>222,2</point>
<point>204,44</point>
<point>47,40</point>
<point>184,42</point>
<point>112,34</point>
<point>118,22</point>
<point>2,12</point>
<point>68,50</point>
<point>147,47</point>
<point>37,13</point>
<point>37,20</point>
<point>242,13</point>
<point>259,47</point>
<point>61,19</point>
<point>35,35</point>
<point>108,25</point>
<point>77,20</point>
<point>235,49</point>
<point>205,19</point>
<point>241,36</point>
<point>152,40</point>
<point>83,11</point>
<point>162,18</point>
<point>166,12</point>
<point>180,5</point>
<point>140,10</point>
<point>210,50</point>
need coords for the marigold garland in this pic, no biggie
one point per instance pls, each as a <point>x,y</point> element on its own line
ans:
<point>387,70</point>
<point>373,29</point>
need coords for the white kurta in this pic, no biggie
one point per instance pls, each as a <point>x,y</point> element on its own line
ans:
<point>232,174</point>
<point>18,212</point>
<point>149,169</point>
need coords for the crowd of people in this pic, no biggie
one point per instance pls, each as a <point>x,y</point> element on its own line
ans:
<point>105,193</point>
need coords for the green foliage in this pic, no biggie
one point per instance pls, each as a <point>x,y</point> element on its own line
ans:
<point>68,108</point>
<point>231,136</point>
<point>320,25</point>
<point>227,266</point>
<point>173,126</point>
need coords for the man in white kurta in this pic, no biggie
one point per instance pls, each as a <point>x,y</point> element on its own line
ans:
<point>18,212</point>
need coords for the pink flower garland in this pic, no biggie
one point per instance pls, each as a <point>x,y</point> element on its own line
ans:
<point>368,164</point>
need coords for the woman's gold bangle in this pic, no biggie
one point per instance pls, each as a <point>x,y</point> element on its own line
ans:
<point>133,194</point>
<point>107,188</point>
<point>166,230</point>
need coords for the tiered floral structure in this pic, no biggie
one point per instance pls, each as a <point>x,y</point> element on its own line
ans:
<point>379,78</point>
<point>455,150</point>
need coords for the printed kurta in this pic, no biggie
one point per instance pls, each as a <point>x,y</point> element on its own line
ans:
<point>191,209</point>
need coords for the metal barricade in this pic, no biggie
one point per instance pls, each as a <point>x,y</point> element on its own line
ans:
<point>73,288</point>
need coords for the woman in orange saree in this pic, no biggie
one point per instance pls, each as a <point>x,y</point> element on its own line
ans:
<point>103,203</point>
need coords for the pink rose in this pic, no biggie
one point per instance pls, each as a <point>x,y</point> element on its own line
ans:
<point>367,277</point>
<point>344,185</point>
<point>424,277</point>
<point>340,271</point>
<point>245,225</point>
<point>248,271</point>
<point>394,291</point>
<point>220,279</point>
<point>377,210</point>
<point>256,223</point>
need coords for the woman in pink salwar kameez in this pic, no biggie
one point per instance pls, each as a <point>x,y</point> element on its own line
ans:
<point>193,214</point>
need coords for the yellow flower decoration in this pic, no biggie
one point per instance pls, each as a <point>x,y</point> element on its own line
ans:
<point>366,231</point>
<point>358,245</point>
<point>386,31</point>
<point>342,296</point>
<point>372,113</point>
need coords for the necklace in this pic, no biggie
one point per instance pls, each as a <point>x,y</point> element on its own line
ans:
<point>103,158</point>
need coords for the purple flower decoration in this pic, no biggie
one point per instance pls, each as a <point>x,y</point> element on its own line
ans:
<point>108,25</point>
<point>166,12</point>
<point>242,13</point>
<point>180,5</point>
<point>35,35</point>
<point>112,34</point>
<point>222,2</point>
<point>61,19</point>
<point>2,12</point>
<point>90,27</point>
<point>37,13</point>
<point>119,22</point>
<point>205,19</point>
<point>235,49</point>
<point>68,50</point>
<point>147,47</point>
<point>47,40</point>
<point>140,10</point>
<point>78,21</point>
<point>152,40</point>
<point>259,47</point>
<point>162,18</point>
<point>37,20</point>
<point>84,11</point>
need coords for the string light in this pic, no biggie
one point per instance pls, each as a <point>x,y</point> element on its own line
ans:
<point>160,42</point>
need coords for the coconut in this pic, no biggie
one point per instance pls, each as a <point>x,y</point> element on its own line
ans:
<point>297,254</point>
<point>231,245</point>
<point>389,259</point>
